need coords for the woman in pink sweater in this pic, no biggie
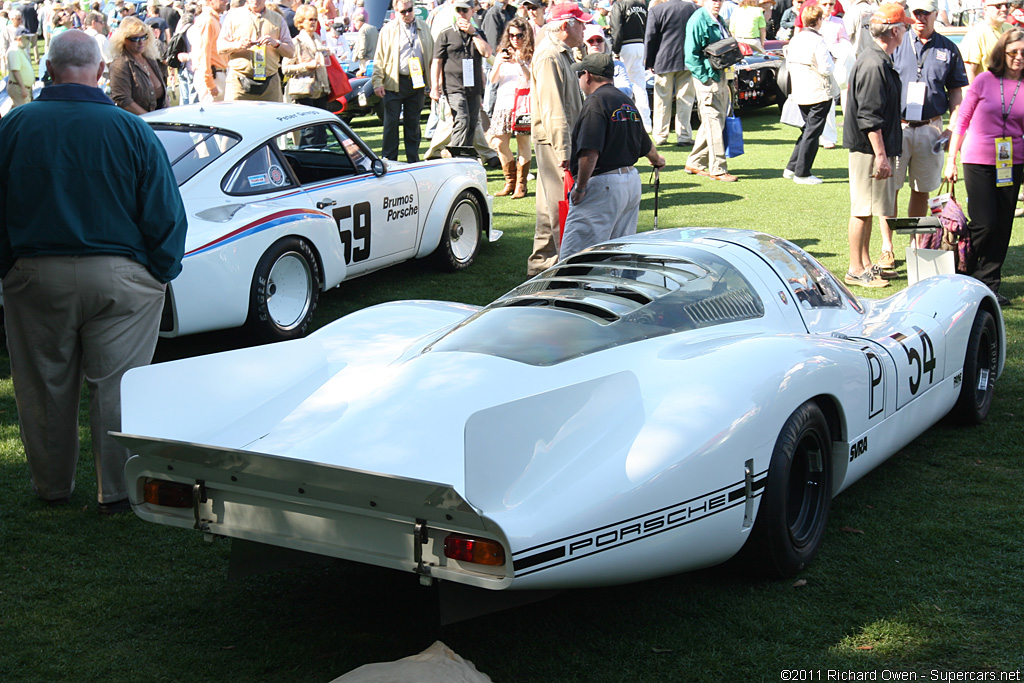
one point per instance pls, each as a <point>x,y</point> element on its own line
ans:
<point>990,127</point>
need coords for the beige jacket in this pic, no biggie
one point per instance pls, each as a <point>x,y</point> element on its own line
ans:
<point>386,59</point>
<point>555,97</point>
<point>306,49</point>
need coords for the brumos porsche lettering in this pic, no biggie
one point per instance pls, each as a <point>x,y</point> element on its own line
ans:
<point>400,207</point>
<point>633,529</point>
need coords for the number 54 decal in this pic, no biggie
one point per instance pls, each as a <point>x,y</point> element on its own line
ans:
<point>355,240</point>
<point>921,362</point>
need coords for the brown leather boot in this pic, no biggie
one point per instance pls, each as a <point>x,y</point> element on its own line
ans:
<point>510,179</point>
<point>523,171</point>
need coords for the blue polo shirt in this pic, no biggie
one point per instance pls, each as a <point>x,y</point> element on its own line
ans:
<point>937,64</point>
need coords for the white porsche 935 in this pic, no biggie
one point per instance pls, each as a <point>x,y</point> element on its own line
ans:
<point>285,201</point>
<point>678,396</point>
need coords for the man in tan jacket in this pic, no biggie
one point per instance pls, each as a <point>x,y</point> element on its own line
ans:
<point>555,103</point>
<point>401,78</point>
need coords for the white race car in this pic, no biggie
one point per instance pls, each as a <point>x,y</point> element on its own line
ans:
<point>284,201</point>
<point>651,405</point>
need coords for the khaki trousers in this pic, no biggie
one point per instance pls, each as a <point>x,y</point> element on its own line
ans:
<point>550,190</point>
<point>708,148</point>
<point>71,318</point>
<point>675,87</point>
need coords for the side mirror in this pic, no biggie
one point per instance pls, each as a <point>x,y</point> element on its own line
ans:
<point>379,168</point>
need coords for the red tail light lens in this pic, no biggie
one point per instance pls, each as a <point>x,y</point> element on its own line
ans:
<point>475,550</point>
<point>167,493</point>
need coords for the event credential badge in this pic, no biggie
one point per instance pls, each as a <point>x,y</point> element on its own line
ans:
<point>1004,162</point>
<point>259,62</point>
<point>468,74</point>
<point>416,73</point>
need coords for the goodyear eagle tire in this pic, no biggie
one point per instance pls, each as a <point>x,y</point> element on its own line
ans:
<point>285,288</point>
<point>980,365</point>
<point>793,513</point>
<point>463,230</point>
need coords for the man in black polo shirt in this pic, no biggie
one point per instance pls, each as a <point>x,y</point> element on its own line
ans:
<point>608,138</point>
<point>457,72</point>
<point>933,75</point>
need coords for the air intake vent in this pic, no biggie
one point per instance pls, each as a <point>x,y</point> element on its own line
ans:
<point>734,305</point>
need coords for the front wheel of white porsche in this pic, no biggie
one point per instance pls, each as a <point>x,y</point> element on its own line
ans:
<point>794,509</point>
<point>463,228</point>
<point>285,289</point>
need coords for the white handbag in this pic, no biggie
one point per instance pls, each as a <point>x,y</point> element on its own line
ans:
<point>791,114</point>
<point>300,86</point>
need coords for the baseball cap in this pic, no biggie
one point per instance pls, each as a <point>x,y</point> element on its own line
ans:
<point>567,10</point>
<point>591,30</point>
<point>464,4</point>
<point>598,64</point>
<point>890,13</point>
<point>922,5</point>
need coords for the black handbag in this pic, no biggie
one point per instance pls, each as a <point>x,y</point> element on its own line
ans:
<point>724,53</point>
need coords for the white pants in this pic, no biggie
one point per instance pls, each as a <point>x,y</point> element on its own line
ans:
<point>632,56</point>
<point>609,209</point>
<point>203,95</point>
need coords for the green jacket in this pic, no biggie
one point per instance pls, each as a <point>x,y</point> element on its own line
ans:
<point>110,191</point>
<point>701,30</point>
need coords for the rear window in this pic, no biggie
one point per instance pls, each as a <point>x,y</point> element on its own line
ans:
<point>191,148</point>
<point>602,298</point>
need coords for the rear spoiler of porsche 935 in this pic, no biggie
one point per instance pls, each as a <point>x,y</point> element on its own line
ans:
<point>384,520</point>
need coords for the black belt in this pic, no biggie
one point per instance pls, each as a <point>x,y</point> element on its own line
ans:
<point>918,124</point>
<point>215,70</point>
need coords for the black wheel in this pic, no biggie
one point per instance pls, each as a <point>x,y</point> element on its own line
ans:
<point>463,229</point>
<point>979,379</point>
<point>285,288</point>
<point>795,504</point>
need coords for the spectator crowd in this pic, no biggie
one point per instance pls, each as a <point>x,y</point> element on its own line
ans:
<point>498,79</point>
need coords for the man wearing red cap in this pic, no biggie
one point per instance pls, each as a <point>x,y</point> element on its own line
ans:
<point>872,133</point>
<point>555,103</point>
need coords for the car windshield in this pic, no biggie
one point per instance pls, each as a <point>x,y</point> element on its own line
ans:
<point>603,298</point>
<point>191,148</point>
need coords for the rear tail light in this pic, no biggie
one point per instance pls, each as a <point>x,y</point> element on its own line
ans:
<point>475,550</point>
<point>167,493</point>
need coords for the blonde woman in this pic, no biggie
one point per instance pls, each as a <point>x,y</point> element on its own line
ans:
<point>309,62</point>
<point>511,71</point>
<point>137,79</point>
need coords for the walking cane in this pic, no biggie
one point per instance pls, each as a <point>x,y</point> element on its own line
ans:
<point>657,186</point>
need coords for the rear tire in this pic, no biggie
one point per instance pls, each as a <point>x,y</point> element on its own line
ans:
<point>794,509</point>
<point>979,379</point>
<point>285,289</point>
<point>463,231</point>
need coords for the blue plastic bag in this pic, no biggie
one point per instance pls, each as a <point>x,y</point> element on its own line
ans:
<point>733,137</point>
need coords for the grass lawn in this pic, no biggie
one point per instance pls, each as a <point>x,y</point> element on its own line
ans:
<point>921,570</point>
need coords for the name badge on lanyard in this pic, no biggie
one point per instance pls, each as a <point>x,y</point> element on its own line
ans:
<point>416,73</point>
<point>915,101</point>
<point>468,74</point>
<point>1004,162</point>
<point>259,62</point>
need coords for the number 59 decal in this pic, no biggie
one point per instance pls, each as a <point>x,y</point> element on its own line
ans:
<point>359,232</point>
<point>921,362</point>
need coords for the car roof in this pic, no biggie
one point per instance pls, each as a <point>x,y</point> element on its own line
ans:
<point>248,119</point>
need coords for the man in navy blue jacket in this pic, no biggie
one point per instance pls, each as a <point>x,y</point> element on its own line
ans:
<point>664,42</point>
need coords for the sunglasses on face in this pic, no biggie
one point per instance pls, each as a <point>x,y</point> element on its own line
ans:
<point>138,39</point>
<point>405,11</point>
<point>595,40</point>
<point>1015,53</point>
<point>462,10</point>
<point>1000,5</point>
<point>515,35</point>
<point>921,14</point>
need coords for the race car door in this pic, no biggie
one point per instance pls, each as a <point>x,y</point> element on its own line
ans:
<point>377,217</point>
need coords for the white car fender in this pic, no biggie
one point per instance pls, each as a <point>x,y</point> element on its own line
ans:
<point>437,214</point>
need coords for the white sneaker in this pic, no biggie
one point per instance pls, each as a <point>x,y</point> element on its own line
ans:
<point>807,180</point>
<point>787,174</point>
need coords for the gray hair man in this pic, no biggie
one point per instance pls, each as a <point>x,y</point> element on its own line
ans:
<point>93,228</point>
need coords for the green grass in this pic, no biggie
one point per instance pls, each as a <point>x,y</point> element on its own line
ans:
<point>921,568</point>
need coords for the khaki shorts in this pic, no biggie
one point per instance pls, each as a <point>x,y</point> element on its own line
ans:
<point>870,197</point>
<point>918,161</point>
